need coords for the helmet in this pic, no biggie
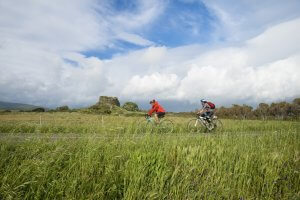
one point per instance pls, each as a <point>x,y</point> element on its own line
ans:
<point>153,101</point>
<point>203,101</point>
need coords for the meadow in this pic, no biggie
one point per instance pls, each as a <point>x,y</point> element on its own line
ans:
<point>88,156</point>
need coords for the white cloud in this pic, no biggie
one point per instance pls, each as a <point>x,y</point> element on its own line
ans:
<point>151,86</point>
<point>278,80</point>
<point>244,19</point>
<point>253,72</point>
<point>41,41</point>
<point>41,63</point>
<point>134,38</point>
<point>124,24</point>
<point>147,11</point>
<point>266,83</point>
<point>47,78</point>
<point>277,42</point>
<point>49,25</point>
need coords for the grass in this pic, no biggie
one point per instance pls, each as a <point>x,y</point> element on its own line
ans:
<point>105,124</point>
<point>75,156</point>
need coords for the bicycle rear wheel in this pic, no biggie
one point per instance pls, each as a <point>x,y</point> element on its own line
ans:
<point>217,125</point>
<point>166,126</point>
<point>144,127</point>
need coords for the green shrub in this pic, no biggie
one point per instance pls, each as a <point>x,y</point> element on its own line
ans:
<point>62,108</point>
<point>40,109</point>
<point>130,106</point>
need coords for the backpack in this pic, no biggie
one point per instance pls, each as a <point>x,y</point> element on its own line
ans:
<point>211,105</point>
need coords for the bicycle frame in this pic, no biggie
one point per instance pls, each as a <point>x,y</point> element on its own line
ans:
<point>149,119</point>
<point>202,121</point>
<point>208,125</point>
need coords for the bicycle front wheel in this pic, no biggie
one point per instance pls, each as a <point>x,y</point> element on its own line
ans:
<point>194,126</point>
<point>144,127</point>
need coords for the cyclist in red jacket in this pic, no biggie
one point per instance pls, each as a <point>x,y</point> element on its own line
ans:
<point>158,109</point>
<point>208,109</point>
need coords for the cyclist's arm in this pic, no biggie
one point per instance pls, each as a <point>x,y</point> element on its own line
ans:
<point>200,111</point>
<point>206,108</point>
<point>154,108</point>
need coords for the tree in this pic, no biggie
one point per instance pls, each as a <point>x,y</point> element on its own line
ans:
<point>262,110</point>
<point>62,108</point>
<point>40,109</point>
<point>281,110</point>
<point>130,106</point>
<point>296,101</point>
<point>223,112</point>
<point>246,111</point>
<point>236,111</point>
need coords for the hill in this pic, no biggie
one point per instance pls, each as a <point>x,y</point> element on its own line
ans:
<point>16,106</point>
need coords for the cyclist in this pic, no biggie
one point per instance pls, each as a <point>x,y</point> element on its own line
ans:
<point>207,110</point>
<point>158,109</point>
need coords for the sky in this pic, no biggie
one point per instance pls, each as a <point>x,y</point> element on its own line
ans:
<point>70,52</point>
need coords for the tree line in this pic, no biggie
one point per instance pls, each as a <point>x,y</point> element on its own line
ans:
<point>281,110</point>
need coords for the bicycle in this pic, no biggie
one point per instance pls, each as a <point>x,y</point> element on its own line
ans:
<point>203,123</point>
<point>150,125</point>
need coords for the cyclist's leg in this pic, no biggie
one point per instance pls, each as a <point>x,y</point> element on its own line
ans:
<point>212,113</point>
<point>156,118</point>
<point>160,115</point>
<point>208,115</point>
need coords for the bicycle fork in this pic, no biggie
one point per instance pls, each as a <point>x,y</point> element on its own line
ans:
<point>196,123</point>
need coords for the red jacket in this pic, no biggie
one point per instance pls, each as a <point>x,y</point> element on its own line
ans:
<point>156,108</point>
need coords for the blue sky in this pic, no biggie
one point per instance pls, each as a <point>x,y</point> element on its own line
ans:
<point>180,23</point>
<point>54,53</point>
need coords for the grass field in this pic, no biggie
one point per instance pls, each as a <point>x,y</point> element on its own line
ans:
<point>84,156</point>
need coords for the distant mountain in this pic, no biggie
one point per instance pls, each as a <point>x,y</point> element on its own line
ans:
<point>16,106</point>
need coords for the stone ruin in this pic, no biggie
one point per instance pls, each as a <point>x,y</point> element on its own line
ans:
<point>109,101</point>
<point>106,104</point>
<point>109,105</point>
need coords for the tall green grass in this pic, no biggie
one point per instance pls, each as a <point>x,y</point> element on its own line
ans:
<point>125,165</point>
<point>96,124</point>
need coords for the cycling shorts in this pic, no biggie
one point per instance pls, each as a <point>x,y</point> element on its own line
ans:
<point>160,114</point>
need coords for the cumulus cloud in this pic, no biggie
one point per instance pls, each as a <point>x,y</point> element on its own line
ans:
<point>251,72</point>
<point>49,25</point>
<point>266,83</point>
<point>42,45</point>
<point>158,85</point>
<point>277,42</point>
<point>244,19</point>
<point>42,58</point>
<point>50,79</point>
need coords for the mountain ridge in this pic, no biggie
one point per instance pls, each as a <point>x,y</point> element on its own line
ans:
<point>16,106</point>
